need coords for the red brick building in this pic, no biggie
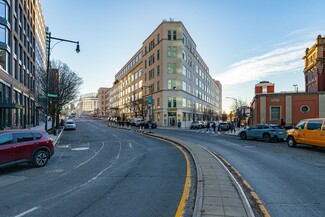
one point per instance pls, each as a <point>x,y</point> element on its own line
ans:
<point>292,107</point>
<point>271,107</point>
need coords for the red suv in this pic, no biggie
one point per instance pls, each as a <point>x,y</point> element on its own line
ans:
<point>21,146</point>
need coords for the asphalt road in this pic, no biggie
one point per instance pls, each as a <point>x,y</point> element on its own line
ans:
<point>98,171</point>
<point>289,181</point>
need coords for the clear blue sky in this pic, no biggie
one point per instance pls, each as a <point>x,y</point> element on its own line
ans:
<point>242,41</point>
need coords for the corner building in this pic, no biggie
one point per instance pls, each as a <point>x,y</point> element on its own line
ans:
<point>166,81</point>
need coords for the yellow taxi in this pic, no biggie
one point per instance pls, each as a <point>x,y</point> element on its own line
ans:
<point>308,131</point>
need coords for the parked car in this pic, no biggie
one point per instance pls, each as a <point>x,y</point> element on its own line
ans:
<point>148,123</point>
<point>70,125</point>
<point>135,121</point>
<point>196,125</point>
<point>139,122</point>
<point>307,131</point>
<point>224,126</point>
<point>266,132</point>
<point>25,146</point>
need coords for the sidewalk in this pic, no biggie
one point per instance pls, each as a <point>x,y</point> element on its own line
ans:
<point>218,193</point>
<point>41,126</point>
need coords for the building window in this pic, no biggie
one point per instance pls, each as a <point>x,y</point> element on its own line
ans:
<point>158,54</point>
<point>184,103</point>
<point>184,70</point>
<point>3,9</point>
<point>158,86</point>
<point>3,34</point>
<point>158,38</point>
<point>304,109</point>
<point>151,74</point>
<point>171,51</point>
<point>169,102</point>
<point>3,59</point>
<point>171,84</point>
<point>169,35</point>
<point>174,51</point>
<point>174,102</point>
<point>171,68</point>
<point>158,102</point>
<point>184,39</point>
<point>158,70</point>
<point>275,113</point>
<point>174,35</point>
<point>184,85</point>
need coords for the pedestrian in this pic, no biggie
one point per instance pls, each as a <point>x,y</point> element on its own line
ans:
<point>232,127</point>
<point>208,126</point>
<point>214,126</point>
<point>282,122</point>
<point>179,124</point>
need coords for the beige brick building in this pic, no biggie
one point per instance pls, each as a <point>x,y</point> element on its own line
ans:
<point>166,81</point>
<point>101,95</point>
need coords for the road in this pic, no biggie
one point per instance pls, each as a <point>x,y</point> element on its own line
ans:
<point>98,171</point>
<point>289,181</point>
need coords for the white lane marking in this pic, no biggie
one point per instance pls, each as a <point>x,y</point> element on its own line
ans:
<point>28,211</point>
<point>114,135</point>
<point>86,183</point>
<point>130,145</point>
<point>84,161</point>
<point>101,172</point>
<point>90,158</point>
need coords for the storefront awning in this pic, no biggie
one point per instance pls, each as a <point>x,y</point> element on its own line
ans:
<point>10,106</point>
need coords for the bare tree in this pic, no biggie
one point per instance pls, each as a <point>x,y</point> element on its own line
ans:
<point>237,104</point>
<point>65,83</point>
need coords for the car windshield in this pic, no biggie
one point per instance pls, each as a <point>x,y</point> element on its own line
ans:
<point>70,122</point>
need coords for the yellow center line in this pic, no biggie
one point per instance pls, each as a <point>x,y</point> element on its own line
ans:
<point>186,191</point>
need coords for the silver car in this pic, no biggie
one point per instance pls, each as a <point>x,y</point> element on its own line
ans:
<point>70,125</point>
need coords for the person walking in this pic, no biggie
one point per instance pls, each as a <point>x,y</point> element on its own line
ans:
<point>214,127</point>
<point>282,122</point>
<point>179,124</point>
<point>233,127</point>
<point>208,126</point>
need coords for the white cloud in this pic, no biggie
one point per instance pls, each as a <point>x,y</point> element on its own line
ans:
<point>280,60</point>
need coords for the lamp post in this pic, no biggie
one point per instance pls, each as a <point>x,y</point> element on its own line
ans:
<point>236,104</point>
<point>49,38</point>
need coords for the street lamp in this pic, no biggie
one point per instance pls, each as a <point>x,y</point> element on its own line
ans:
<point>236,104</point>
<point>48,47</point>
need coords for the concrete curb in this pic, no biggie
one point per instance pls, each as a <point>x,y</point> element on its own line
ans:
<point>58,137</point>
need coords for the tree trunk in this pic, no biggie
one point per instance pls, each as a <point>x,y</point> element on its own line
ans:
<point>57,120</point>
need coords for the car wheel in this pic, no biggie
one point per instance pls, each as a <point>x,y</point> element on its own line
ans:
<point>266,137</point>
<point>40,158</point>
<point>243,135</point>
<point>291,142</point>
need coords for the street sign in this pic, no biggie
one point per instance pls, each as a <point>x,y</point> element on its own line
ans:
<point>150,100</point>
<point>52,95</point>
<point>42,97</point>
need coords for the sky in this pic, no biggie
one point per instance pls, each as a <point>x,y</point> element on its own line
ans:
<point>242,42</point>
